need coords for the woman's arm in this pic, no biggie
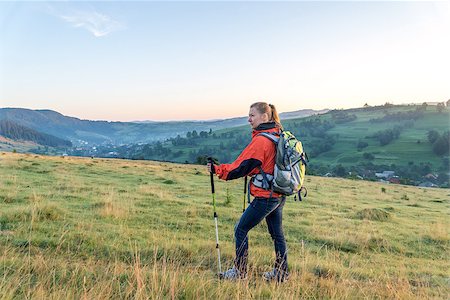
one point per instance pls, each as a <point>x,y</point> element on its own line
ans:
<point>246,163</point>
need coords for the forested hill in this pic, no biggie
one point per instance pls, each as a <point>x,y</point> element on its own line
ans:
<point>87,132</point>
<point>412,141</point>
<point>18,132</point>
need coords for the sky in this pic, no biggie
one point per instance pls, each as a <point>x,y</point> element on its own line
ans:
<point>128,61</point>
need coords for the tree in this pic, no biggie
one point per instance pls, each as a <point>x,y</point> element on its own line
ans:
<point>201,160</point>
<point>440,107</point>
<point>203,134</point>
<point>368,156</point>
<point>441,145</point>
<point>432,135</point>
<point>340,171</point>
<point>147,151</point>
<point>361,145</point>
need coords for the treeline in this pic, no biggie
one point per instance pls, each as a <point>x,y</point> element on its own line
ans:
<point>340,117</point>
<point>16,132</point>
<point>311,127</point>
<point>195,139</point>
<point>399,116</point>
<point>191,138</point>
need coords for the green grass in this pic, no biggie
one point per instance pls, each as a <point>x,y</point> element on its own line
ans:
<point>97,228</point>
<point>400,151</point>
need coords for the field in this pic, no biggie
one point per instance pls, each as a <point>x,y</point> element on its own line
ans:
<point>73,228</point>
<point>402,151</point>
<point>19,146</point>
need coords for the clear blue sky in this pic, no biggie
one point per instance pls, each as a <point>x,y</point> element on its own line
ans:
<point>204,60</point>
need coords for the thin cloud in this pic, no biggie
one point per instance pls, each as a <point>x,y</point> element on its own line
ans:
<point>96,23</point>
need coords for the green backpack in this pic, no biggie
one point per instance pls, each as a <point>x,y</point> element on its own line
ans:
<point>290,166</point>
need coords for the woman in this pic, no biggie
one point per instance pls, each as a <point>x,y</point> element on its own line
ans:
<point>259,154</point>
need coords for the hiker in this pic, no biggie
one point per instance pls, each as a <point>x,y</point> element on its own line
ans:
<point>260,153</point>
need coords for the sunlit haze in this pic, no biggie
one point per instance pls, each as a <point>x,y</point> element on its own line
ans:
<point>130,61</point>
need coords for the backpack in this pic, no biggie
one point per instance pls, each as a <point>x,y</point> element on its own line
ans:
<point>290,166</point>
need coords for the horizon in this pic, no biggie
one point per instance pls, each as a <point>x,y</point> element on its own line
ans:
<point>174,61</point>
<point>156,121</point>
<point>217,119</point>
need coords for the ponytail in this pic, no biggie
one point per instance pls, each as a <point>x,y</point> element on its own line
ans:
<point>275,116</point>
<point>270,110</point>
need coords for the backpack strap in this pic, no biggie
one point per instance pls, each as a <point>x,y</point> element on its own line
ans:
<point>262,179</point>
<point>299,193</point>
<point>269,184</point>
<point>304,158</point>
<point>273,136</point>
<point>266,183</point>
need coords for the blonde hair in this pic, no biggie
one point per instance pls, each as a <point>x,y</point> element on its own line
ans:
<point>270,110</point>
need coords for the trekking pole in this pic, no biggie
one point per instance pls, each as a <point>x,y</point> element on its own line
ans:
<point>215,214</point>
<point>245,193</point>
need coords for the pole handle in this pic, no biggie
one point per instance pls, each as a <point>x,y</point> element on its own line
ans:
<point>210,160</point>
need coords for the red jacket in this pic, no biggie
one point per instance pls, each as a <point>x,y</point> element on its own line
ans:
<point>260,152</point>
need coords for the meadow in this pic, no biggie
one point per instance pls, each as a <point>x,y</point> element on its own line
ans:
<point>82,228</point>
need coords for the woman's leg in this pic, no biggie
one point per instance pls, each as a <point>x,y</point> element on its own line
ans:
<point>255,213</point>
<point>275,226</point>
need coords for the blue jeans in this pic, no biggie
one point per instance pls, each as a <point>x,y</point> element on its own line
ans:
<point>272,210</point>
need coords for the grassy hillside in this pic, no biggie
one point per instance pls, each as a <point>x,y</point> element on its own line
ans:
<point>19,146</point>
<point>348,139</point>
<point>412,144</point>
<point>97,228</point>
<point>400,151</point>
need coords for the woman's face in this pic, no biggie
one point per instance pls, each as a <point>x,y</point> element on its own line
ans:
<point>255,117</point>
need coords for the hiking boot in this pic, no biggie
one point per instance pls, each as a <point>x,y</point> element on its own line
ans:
<point>275,275</point>
<point>232,274</point>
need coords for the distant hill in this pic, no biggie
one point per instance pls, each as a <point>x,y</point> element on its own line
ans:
<point>411,140</point>
<point>232,122</point>
<point>81,132</point>
<point>17,132</point>
<point>302,113</point>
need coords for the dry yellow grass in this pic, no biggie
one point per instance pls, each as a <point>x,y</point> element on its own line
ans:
<point>95,229</point>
